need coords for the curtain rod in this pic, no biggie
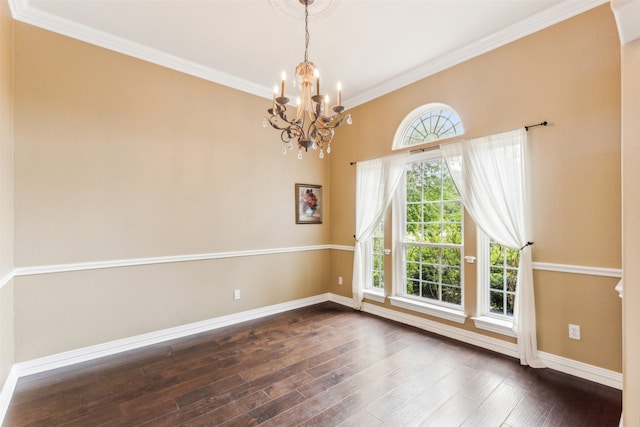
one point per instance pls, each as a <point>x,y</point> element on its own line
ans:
<point>433,147</point>
<point>537,124</point>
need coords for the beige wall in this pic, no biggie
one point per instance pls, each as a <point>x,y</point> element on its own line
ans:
<point>568,74</point>
<point>116,158</point>
<point>6,191</point>
<point>631,229</point>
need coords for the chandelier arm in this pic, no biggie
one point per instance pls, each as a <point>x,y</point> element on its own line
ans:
<point>292,128</point>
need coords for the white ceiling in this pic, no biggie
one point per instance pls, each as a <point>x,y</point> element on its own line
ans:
<point>371,46</point>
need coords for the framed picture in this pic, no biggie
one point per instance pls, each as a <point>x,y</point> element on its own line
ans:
<point>308,204</point>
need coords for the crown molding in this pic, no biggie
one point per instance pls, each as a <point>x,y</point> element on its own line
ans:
<point>540,21</point>
<point>23,11</point>
<point>627,14</point>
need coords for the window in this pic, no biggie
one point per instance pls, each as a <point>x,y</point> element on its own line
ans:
<point>378,256</point>
<point>428,123</point>
<point>432,241</point>
<point>497,281</point>
<point>503,276</point>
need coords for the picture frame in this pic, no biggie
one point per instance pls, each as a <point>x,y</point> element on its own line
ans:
<point>308,204</point>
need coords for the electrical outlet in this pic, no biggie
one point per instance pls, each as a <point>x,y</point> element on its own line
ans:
<point>574,332</point>
<point>339,280</point>
<point>236,294</point>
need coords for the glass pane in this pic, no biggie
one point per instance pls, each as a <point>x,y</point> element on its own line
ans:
<point>451,294</point>
<point>413,270</point>
<point>432,190</point>
<point>431,255</point>
<point>451,275</point>
<point>451,256</point>
<point>432,232</point>
<point>430,290</point>
<point>449,190</point>
<point>496,278</point>
<point>412,253</point>
<point>413,287</point>
<point>510,304</point>
<point>414,212</point>
<point>432,172</point>
<point>377,280</point>
<point>452,233</point>
<point>452,211</point>
<point>513,257</point>
<point>414,232</point>
<point>431,212</point>
<point>512,279</point>
<point>497,254</point>
<point>496,302</point>
<point>378,244</point>
<point>430,273</point>
<point>378,262</point>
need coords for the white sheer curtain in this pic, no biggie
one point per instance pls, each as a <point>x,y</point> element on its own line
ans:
<point>491,175</point>
<point>376,181</point>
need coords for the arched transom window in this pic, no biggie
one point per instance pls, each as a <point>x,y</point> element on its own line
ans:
<point>428,123</point>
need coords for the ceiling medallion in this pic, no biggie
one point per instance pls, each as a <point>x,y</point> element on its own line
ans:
<point>317,9</point>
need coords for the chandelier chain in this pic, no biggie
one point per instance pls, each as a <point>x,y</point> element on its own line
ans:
<point>306,32</point>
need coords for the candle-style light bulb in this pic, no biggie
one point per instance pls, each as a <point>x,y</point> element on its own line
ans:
<point>326,105</point>
<point>284,78</point>
<point>275,93</point>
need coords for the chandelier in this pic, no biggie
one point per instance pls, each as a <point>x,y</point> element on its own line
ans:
<point>315,120</point>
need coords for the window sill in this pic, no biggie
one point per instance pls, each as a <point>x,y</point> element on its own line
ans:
<point>502,327</point>
<point>374,295</point>
<point>430,309</point>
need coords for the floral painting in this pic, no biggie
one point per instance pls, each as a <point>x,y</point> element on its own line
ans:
<point>308,204</point>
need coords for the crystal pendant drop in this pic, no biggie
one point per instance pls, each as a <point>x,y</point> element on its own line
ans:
<point>328,148</point>
<point>314,146</point>
<point>299,154</point>
<point>265,122</point>
<point>284,149</point>
<point>321,154</point>
<point>349,121</point>
<point>290,145</point>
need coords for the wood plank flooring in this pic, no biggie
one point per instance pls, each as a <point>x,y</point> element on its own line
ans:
<point>324,365</point>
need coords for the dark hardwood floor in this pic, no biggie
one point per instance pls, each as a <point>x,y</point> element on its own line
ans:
<point>322,365</point>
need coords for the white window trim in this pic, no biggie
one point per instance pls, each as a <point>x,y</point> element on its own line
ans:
<point>485,320</point>
<point>374,294</point>
<point>493,324</point>
<point>454,315</point>
<point>413,115</point>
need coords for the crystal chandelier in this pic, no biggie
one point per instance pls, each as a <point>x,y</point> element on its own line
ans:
<point>315,120</point>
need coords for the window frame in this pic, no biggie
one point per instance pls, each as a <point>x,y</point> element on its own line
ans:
<point>485,319</point>
<point>399,298</point>
<point>424,111</point>
<point>370,291</point>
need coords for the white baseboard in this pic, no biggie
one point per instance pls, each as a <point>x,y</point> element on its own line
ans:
<point>557,363</point>
<point>110,348</point>
<point>43,364</point>
<point>582,370</point>
<point>7,392</point>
